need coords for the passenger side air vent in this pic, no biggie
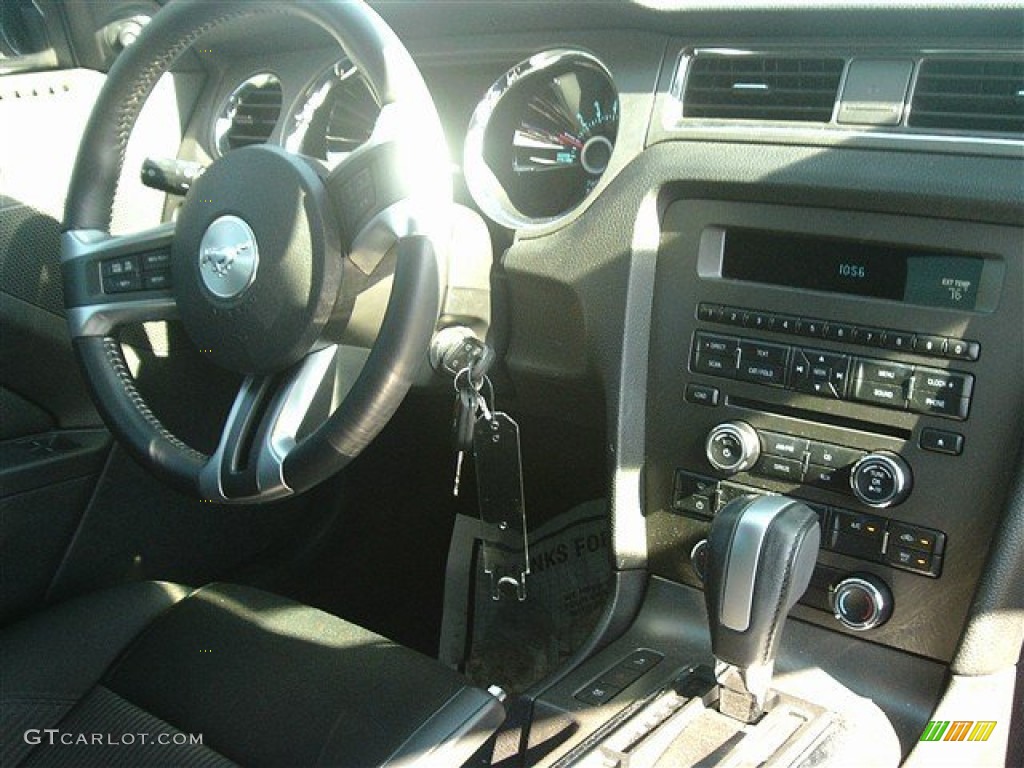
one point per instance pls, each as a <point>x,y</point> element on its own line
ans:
<point>250,114</point>
<point>754,87</point>
<point>971,95</point>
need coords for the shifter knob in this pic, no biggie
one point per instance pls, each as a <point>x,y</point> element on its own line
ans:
<point>761,553</point>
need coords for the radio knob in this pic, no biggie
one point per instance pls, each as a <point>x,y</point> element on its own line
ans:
<point>881,479</point>
<point>732,446</point>
<point>862,601</point>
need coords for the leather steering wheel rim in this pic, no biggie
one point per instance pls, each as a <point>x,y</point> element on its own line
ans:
<point>406,220</point>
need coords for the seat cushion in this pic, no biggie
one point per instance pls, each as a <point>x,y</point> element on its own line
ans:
<point>263,680</point>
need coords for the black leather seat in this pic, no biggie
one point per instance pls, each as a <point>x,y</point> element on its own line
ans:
<point>262,680</point>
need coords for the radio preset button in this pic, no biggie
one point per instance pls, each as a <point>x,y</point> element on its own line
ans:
<point>961,349</point>
<point>807,326</point>
<point>782,324</point>
<point>899,340</point>
<point>732,316</point>
<point>839,332</point>
<point>934,346</point>
<point>711,313</point>
<point>868,337</point>
<point>757,320</point>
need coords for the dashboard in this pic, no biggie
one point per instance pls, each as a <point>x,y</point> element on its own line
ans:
<point>773,252</point>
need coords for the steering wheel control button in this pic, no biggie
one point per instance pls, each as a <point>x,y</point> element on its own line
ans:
<point>733,447</point>
<point>881,479</point>
<point>228,257</point>
<point>862,601</point>
<point>701,394</point>
<point>942,441</point>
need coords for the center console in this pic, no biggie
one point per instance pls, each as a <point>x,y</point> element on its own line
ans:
<point>861,363</point>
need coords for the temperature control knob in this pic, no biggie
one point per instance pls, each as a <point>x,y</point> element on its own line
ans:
<point>862,601</point>
<point>733,446</point>
<point>881,479</point>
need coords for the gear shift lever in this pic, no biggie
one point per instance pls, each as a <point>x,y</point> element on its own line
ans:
<point>761,553</point>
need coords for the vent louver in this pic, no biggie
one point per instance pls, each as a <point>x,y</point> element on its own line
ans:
<point>353,114</point>
<point>251,113</point>
<point>751,87</point>
<point>972,95</point>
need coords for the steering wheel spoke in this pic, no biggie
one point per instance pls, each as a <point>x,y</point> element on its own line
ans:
<point>112,281</point>
<point>263,428</point>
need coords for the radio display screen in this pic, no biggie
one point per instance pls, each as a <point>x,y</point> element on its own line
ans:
<point>927,278</point>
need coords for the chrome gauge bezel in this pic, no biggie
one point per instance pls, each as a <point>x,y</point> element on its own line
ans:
<point>483,184</point>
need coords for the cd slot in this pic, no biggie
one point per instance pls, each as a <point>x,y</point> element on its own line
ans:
<point>830,419</point>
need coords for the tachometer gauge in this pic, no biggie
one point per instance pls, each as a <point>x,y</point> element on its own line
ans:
<point>542,138</point>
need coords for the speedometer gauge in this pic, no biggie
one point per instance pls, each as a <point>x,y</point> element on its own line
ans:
<point>542,138</point>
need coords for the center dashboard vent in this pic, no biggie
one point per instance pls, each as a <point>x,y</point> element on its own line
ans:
<point>250,114</point>
<point>755,87</point>
<point>971,95</point>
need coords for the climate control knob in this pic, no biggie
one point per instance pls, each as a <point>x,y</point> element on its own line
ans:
<point>733,446</point>
<point>881,479</point>
<point>862,601</point>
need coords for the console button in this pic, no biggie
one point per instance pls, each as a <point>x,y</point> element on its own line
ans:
<point>879,394</point>
<point>763,373</point>
<point>694,494</point>
<point>732,316</point>
<point>754,351</point>
<point>899,340</point>
<point>780,468</point>
<point>868,337</point>
<point>941,441</point>
<point>641,660</point>
<point>882,371</point>
<point>701,394</point>
<point>782,324</point>
<point>724,346</point>
<point>839,332</point>
<point>777,444</point>
<point>711,313</point>
<point>808,326</point>
<point>830,478</point>
<point>961,349</point>
<point>833,455</point>
<point>716,365</point>
<point>757,320</point>
<point>939,405</point>
<point>914,560</point>
<point>913,537</point>
<point>934,346</point>
<point>597,693</point>
<point>948,383</point>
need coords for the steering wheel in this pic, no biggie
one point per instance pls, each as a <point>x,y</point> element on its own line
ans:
<point>267,257</point>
